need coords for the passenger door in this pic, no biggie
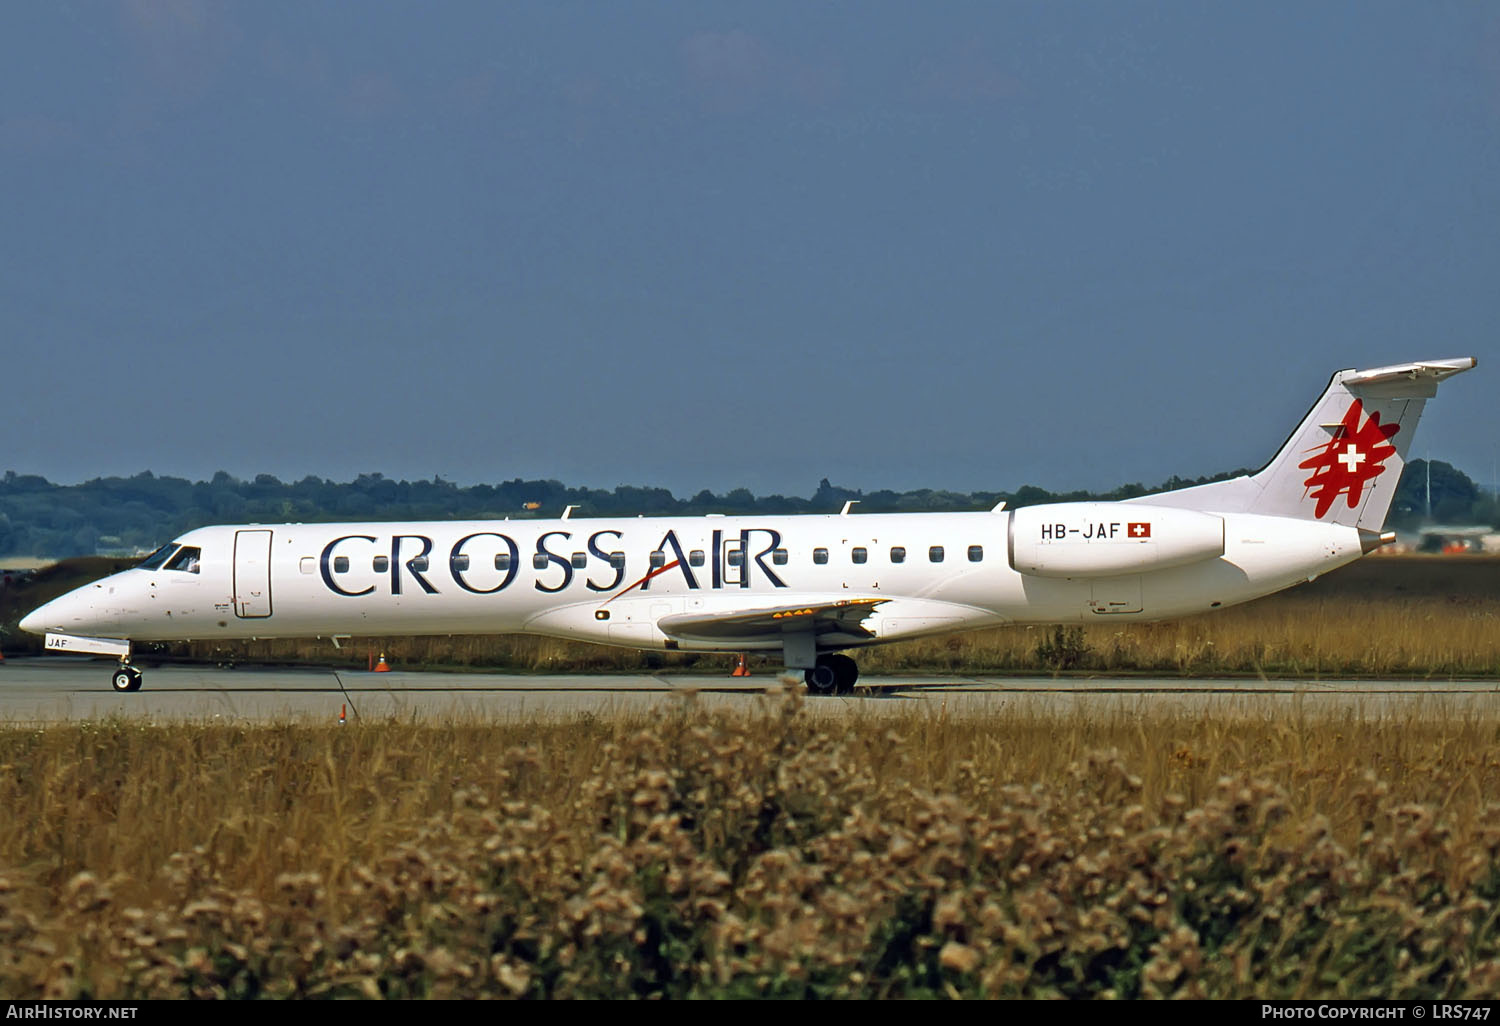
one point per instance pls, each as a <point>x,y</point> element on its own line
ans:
<point>252,574</point>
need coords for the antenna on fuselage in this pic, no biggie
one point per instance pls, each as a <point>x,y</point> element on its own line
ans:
<point>567,512</point>
<point>847,507</point>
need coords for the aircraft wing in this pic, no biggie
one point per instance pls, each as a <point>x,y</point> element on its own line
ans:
<point>844,616</point>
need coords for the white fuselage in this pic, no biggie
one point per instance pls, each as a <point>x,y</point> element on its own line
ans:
<point>613,581</point>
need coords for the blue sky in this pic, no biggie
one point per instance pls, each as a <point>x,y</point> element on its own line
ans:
<point>703,245</point>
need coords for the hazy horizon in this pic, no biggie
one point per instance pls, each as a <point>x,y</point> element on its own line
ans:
<point>687,493</point>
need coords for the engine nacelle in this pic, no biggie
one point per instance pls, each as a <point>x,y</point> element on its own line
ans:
<point>1103,539</point>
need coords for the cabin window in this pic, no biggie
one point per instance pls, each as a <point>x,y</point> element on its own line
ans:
<point>381,564</point>
<point>539,561</point>
<point>976,553</point>
<point>580,560</point>
<point>898,554</point>
<point>459,563</point>
<point>308,564</point>
<point>735,556</point>
<point>186,559</point>
<point>417,564</point>
<point>658,559</point>
<point>696,557</point>
<point>820,555</point>
<point>935,554</point>
<point>502,561</point>
<point>617,560</point>
<point>341,564</point>
<point>779,557</point>
<point>859,554</point>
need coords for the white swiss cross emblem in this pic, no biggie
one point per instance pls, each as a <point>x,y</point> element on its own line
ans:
<point>1139,530</point>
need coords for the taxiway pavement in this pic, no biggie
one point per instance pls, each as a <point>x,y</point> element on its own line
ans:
<point>53,689</point>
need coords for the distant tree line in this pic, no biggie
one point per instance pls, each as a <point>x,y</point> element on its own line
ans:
<point>128,515</point>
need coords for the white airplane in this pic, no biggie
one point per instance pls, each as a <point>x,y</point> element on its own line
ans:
<point>808,587</point>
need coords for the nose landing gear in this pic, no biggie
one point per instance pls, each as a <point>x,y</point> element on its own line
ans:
<point>126,678</point>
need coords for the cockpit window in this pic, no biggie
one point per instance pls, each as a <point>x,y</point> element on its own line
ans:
<point>157,558</point>
<point>186,559</point>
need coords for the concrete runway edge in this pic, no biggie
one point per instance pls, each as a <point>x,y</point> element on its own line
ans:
<point>63,689</point>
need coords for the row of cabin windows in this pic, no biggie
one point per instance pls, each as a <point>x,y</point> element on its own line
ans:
<point>858,554</point>
<point>579,560</point>
<point>734,557</point>
<point>380,564</point>
<point>935,554</point>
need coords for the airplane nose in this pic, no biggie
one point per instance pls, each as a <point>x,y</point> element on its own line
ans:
<point>68,613</point>
<point>32,621</point>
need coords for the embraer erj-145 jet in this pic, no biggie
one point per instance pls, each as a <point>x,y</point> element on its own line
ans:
<point>808,587</point>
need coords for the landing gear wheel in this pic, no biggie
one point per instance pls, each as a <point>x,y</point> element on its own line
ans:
<point>126,678</point>
<point>834,675</point>
<point>821,679</point>
<point>846,670</point>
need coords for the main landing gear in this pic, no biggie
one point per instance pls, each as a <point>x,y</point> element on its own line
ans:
<point>833,675</point>
<point>126,678</point>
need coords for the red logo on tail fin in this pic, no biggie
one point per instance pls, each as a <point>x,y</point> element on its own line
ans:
<point>1355,456</point>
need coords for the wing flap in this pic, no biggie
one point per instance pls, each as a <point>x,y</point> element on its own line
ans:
<point>844,616</point>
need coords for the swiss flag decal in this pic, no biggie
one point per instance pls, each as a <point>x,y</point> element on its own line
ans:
<point>1139,530</point>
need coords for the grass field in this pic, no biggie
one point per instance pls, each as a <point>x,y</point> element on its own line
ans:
<point>772,854</point>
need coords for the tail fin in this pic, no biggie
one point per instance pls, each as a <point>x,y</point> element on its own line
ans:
<point>1343,462</point>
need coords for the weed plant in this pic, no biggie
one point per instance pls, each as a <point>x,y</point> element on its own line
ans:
<point>774,854</point>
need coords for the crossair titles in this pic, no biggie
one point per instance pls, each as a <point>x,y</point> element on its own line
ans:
<point>405,560</point>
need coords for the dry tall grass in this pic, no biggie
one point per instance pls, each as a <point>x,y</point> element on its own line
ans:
<point>1296,635</point>
<point>773,854</point>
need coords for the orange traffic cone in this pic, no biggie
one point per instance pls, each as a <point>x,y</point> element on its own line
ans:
<point>381,666</point>
<point>741,670</point>
<point>342,709</point>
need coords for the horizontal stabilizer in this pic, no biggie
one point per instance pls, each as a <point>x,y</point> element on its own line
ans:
<point>1405,380</point>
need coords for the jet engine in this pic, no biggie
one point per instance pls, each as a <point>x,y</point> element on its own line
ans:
<point>1104,539</point>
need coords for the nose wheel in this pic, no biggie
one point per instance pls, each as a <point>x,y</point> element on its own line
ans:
<point>126,678</point>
